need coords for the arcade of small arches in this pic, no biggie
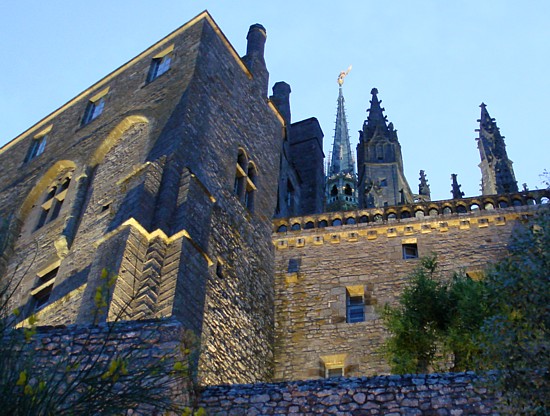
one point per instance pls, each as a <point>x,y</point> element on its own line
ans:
<point>417,210</point>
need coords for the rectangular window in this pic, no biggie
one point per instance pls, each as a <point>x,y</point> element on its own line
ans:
<point>355,309</point>
<point>294,265</point>
<point>95,106</point>
<point>43,289</point>
<point>410,251</point>
<point>334,372</point>
<point>160,64</point>
<point>38,144</point>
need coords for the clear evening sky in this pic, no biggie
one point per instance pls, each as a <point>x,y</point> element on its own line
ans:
<point>433,62</point>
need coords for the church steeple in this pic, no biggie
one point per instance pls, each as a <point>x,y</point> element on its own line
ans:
<point>342,158</point>
<point>381,178</point>
<point>497,174</point>
<point>341,177</point>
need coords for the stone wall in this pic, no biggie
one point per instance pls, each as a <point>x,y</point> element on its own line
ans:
<point>57,356</point>
<point>317,269</point>
<point>452,394</point>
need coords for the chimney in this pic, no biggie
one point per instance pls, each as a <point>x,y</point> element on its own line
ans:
<point>281,99</point>
<point>254,58</point>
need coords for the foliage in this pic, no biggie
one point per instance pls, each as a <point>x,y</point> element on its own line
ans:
<point>516,338</point>
<point>94,376</point>
<point>435,322</point>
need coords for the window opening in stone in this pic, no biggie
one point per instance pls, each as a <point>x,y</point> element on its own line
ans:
<point>348,190</point>
<point>309,225</point>
<point>250,187</point>
<point>37,147</point>
<point>334,372</point>
<point>53,201</point>
<point>294,265</point>
<point>43,289</point>
<point>159,66</point>
<point>282,229</point>
<point>240,175</point>
<point>410,251</point>
<point>322,224</point>
<point>350,221</point>
<point>337,222</point>
<point>355,308</point>
<point>93,110</point>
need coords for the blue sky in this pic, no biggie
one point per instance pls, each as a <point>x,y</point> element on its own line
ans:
<point>433,62</point>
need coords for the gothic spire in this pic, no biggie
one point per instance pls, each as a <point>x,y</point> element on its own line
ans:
<point>376,123</point>
<point>455,190</point>
<point>342,158</point>
<point>496,169</point>
<point>423,187</point>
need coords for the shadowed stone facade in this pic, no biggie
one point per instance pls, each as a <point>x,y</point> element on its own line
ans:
<point>176,174</point>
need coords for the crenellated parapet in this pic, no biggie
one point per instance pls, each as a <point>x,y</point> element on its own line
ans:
<point>486,204</point>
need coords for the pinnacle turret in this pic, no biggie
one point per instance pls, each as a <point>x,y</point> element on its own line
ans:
<point>423,188</point>
<point>496,169</point>
<point>455,187</point>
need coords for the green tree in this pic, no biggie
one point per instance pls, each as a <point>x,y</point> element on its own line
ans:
<point>516,338</point>
<point>435,324</point>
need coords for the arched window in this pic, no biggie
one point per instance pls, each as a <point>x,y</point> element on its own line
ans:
<point>334,191</point>
<point>250,186</point>
<point>348,190</point>
<point>240,174</point>
<point>53,199</point>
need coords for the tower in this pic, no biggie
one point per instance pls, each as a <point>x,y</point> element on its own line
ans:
<point>341,177</point>
<point>381,178</point>
<point>497,174</point>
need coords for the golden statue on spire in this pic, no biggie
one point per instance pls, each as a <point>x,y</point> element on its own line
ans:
<point>342,75</point>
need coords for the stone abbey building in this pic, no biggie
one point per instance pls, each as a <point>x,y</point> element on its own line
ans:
<point>181,176</point>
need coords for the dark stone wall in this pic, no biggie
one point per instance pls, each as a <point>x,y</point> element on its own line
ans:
<point>434,394</point>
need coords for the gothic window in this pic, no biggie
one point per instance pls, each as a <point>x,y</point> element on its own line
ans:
<point>348,190</point>
<point>95,106</point>
<point>240,174</point>
<point>290,197</point>
<point>53,199</point>
<point>410,251</point>
<point>250,187</point>
<point>160,64</point>
<point>334,191</point>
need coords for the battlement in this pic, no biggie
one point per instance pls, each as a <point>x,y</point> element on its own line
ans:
<point>479,205</point>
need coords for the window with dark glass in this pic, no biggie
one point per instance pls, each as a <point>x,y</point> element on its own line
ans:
<point>355,308</point>
<point>410,251</point>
